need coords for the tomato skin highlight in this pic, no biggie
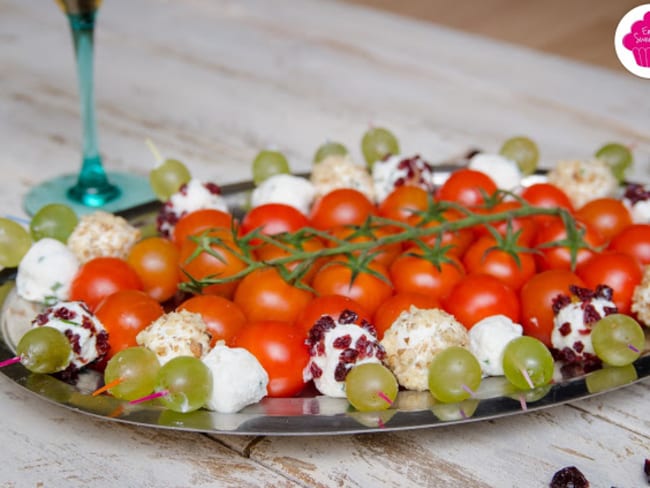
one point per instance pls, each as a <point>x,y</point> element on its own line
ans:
<point>537,301</point>
<point>479,296</point>
<point>618,270</point>
<point>124,314</point>
<point>344,206</point>
<point>280,348</point>
<point>264,295</point>
<point>101,277</point>
<point>223,318</point>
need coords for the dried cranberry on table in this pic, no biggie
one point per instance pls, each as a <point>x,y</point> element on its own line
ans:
<point>569,477</point>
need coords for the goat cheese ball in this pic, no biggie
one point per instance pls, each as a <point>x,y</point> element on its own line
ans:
<point>336,172</point>
<point>413,340</point>
<point>102,234</point>
<point>583,181</point>
<point>176,334</point>
<point>487,340</point>
<point>46,272</point>
<point>295,191</point>
<point>636,198</point>
<point>399,171</point>
<point>503,171</point>
<point>87,335</point>
<point>335,346</point>
<point>238,378</point>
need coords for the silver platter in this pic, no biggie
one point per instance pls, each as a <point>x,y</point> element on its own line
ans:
<point>308,414</point>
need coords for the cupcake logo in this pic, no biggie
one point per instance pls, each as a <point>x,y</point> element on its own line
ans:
<point>632,41</point>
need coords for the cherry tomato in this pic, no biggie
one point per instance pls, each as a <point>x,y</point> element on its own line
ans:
<point>197,222</point>
<point>457,241</point>
<point>618,270</point>
<point>281,350</point>
<point>155,260</point>
<point>268,252</point>
<point>546,195</point>
<point>344,206</point>
<point>479,296</point>
<point>559,257</point>
<point>222,316</point>
<point>635,241</point>
<point>388,311</point>
<point>101,277</point>
<point>412,273</point>
<point>264,295</point>
<point>124,314</point>
<point>467,187</point>
<point>384,254</point>
<point>483,257</point>
<point>537,301</point>
<point>273,218</point>
<point>331,305</point>
<point>525,226</point>
<point>607,216</point>
<point>222,261</point>
<point>336,278</point>
<point>404,202</point>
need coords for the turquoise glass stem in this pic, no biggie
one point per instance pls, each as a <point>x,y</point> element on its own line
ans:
<point>92,188</point>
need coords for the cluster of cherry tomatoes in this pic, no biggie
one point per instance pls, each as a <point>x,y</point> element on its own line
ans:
<point>513,267</point>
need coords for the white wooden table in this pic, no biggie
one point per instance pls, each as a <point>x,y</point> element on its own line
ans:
<point>214,81</point>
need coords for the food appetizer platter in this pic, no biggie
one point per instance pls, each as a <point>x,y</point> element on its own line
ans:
<point>319,404</point>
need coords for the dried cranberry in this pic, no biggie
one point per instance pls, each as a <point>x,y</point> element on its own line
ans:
<point>74,341</point>
<point>578,346</point>
<point>569,477</point>
<point>584,294</point>
<point>565,329</point>
<point>101,343</point>
<point>559,302</point>
<point>646,470</point>
<point>315,370</point>
<point>340,372</point>
<point>212,188</point>
<point>348,356</point>
<point>590,314</point>
<point>348,317</point>
<point>64,313</point>
<point>342,342</point>
<point>636,193</point>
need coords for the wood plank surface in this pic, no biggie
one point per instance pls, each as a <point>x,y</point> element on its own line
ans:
<point>214,81</point>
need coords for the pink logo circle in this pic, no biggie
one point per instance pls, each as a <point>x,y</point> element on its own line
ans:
<point>638,41</point>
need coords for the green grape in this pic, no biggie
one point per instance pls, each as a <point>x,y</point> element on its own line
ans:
<point>449,412</point>
<point>377,143</point>
<point>44,350</point>
<point>55,220</point>
<point>523,151</point>
<point>617,339</point>
<point>526,358</point>
<point>14,243</point>
<point>610,377</point>
<point>268,163</point>
<point>370,387</point>
<point>454,373</point>
<point>618,158</point>
<point>137,369</point>
<point>329,148</point>
<point>166,178</point>
<point>187,381</point>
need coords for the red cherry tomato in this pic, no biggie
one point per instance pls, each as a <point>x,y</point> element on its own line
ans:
<point>331,305</point>
<point>546,195</point>
<point>404,202</point>
<point>384,254</point>
<point>222,261</point>
<point>483,257</point>
<point>344,206</point>
<point>537,301</point>
<point>155,260</point>
<point>197,222</point>
<point>559,256</point>
<point>467,187</point>
<point>479,296</point>
<point>124,314</point>
<point>264,295</point>
<point>456,242</point>
<point>620,271</point>
<point>365,288</point>
<point>222,317</point>
<point>525,226</point>
<point>273,218</point>
<point>388,311</point>
<point>607,216</point>
<point>635,241</point>
<point>101,277</point>
<point>280,348</point>
<point>412,273</point>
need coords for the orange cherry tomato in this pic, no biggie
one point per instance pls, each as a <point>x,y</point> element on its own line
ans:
<point>197,222</point>
<point>607,216</point>
<point>404,202</point>
<point>155,260</point>
<point>344,206</point>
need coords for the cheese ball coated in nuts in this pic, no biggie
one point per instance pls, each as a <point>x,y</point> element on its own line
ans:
<point>102,234</point>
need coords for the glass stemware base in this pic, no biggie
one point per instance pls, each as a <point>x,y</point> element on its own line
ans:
<point>130,190</point>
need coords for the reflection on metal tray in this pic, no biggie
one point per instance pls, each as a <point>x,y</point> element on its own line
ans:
<point>308,414</point>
